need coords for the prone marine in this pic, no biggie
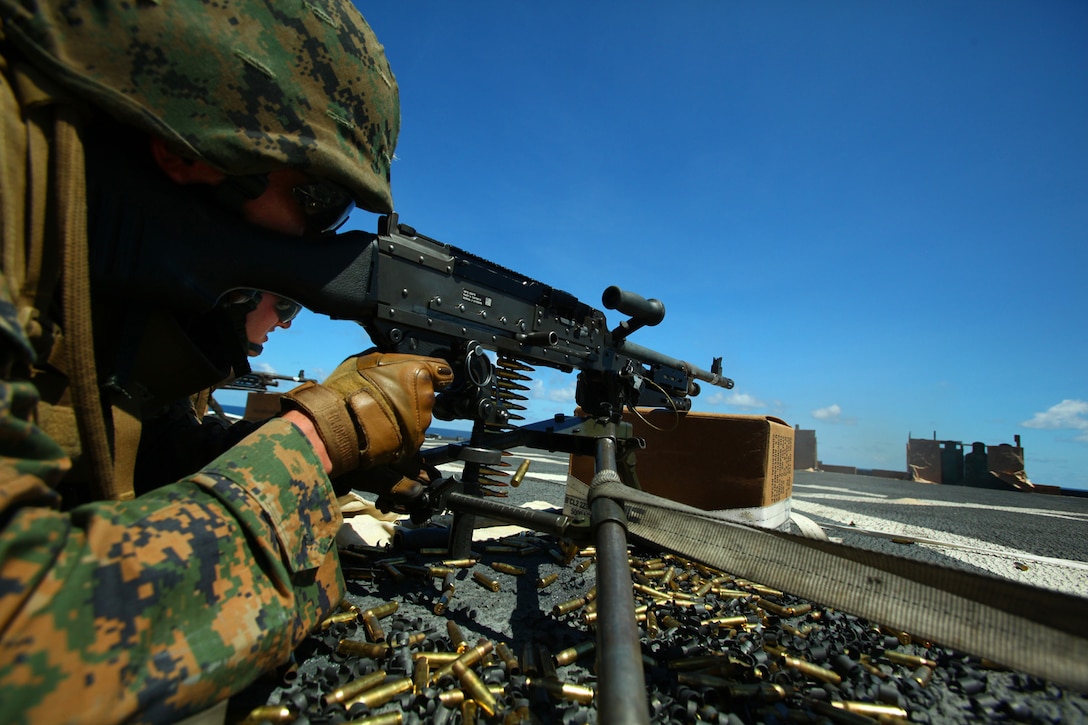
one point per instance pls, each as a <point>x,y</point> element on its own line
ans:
<point>127,126</point>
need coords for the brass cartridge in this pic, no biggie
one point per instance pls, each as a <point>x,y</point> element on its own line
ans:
<point>546,581</point>
<point>731,621</point>
<point>421,674</point>
<point>475,687</point>
<point>507,568</point>
<point>652,628</point>
<point>508,659</point>
<point>381,694</point>
<point>519,475</point>
<point>568,606</point>
<point>356,686</point>
<point>812,670</point>
<point>457,639</point>
<point>469,658</point>
<point>901,658</point>
<point>443,601</point>
<point>583,565</point>
<point>871,709</point>
<point>383,610</point>
<point>922,675</point>
<point>339,618</point>
<point>780,610</point>
<point>571,654</point>
<point>453,697</point>
<point>269,713</point>
<point>374,630</point>
<point>485,581</point>
<point>459,563</point>
<point>563,690</point>
<point>437,658</point>
<point>373,650</point>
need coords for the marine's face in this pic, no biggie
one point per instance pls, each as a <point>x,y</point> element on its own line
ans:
<point>262,320</point>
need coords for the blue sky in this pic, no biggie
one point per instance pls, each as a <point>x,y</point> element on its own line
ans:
<point>876,212</point>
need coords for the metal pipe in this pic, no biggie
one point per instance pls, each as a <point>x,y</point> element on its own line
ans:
<point>619,655</point>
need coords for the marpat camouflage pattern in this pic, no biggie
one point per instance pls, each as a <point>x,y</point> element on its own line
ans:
<point>246,85</point>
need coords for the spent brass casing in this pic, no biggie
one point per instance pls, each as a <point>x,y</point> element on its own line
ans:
<point>339,618</point>
<point>568,606</point>
<point>373,650</point>
<point>437,658</point>
<point>571,654</point>
<point>922,675</point>
<point>583,565</point>
<point>507,568</point>
<point>269,713</point>
<point>871,709</point>
<point>459,563</point>
<point>457,638</point>
<point>421,675</point>
<point>485,581</point>
<point>383,610</point>
<point>468,658</point>
<point>443,601</point>
<point>508,659</point>
<point>732,621</point>
<point>780,610</point>
<point>901,658</point>
<point>812,670</point>
<point>652,628</point>
<point>475,687</point>
<point>356,686</point>
<point>546,581</point>
<point>519,475</point>
<point>381,694</point>
<point>453,697</point>
<point>563,690</point>
<point>373,629</point>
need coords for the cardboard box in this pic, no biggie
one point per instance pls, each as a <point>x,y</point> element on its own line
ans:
<point>737,465</point>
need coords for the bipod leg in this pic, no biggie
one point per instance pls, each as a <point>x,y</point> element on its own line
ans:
<point>621,695</point>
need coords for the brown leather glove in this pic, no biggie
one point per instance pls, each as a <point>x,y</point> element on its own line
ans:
<point>374,408</point>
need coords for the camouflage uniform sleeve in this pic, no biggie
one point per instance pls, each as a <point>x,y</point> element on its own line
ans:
<point>155,608</point>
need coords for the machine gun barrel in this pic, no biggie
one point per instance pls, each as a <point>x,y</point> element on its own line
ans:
<point>654,357</point>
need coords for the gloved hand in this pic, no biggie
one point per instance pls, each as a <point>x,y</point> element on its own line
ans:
<point>374,407</point>
<point>398,487</point>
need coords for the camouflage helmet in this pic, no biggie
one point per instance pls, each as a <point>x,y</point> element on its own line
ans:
<point>248,86</point>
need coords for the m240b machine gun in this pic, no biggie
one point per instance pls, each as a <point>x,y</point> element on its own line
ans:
<point>429,298</point>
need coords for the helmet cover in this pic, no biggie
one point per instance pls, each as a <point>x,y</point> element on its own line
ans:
<point>248,86</point>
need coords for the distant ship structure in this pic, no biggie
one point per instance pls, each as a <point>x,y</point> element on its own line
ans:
<point>999,466</point>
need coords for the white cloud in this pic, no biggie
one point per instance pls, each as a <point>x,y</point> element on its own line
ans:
<point>831,413</point>
<point>734,399</point>
<point>1066,415</point>
<point>550,391</point>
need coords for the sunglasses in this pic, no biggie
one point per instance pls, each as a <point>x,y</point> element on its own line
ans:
<point>287,310</point>
<point>325,204</point>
